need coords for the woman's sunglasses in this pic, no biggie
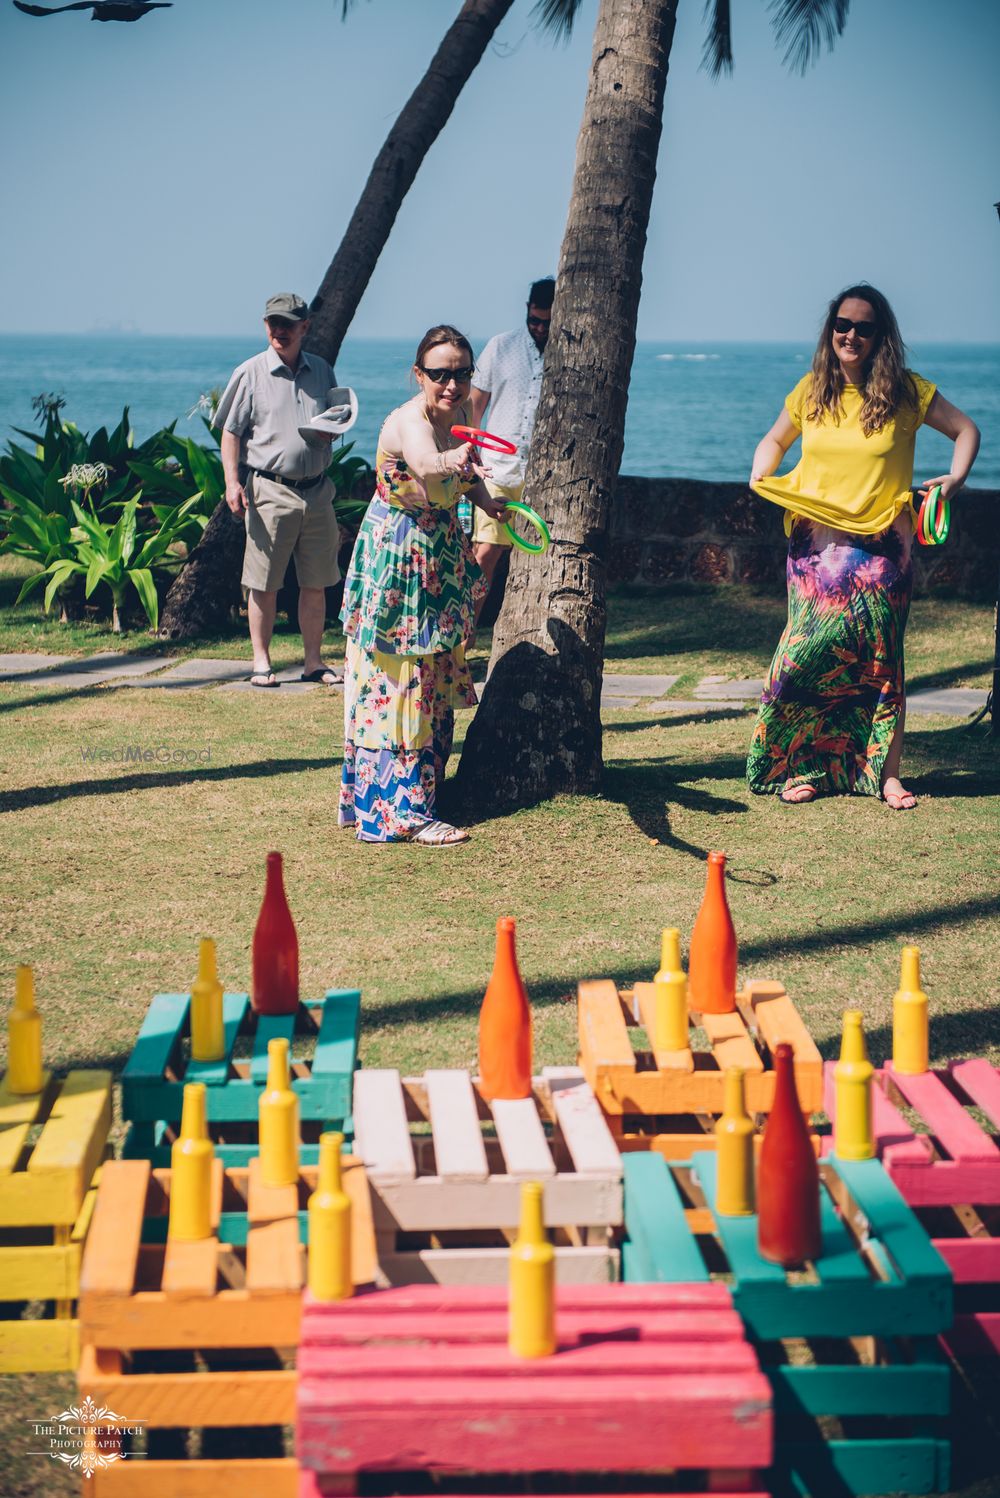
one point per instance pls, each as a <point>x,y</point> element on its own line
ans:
<point>863,329</point>
<point>442,376</point>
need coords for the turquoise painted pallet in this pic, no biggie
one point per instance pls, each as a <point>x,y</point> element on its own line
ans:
<point>850,1343</point>
<point>160,1065</point>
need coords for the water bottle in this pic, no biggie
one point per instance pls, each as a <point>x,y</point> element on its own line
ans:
<point>465,515</point>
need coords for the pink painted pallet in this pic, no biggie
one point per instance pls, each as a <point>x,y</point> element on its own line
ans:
<point>646,1379</point>
<point>949,1172</point>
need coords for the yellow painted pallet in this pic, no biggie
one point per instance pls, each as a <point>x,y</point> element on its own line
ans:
<point>669,1100</point>
<point>51,1146</point>
<point>194,1338</point>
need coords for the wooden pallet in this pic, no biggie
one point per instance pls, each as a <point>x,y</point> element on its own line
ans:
<point>192,1337</point>
<point>323,1039</point>
<point>669,1100</point>
<point>950,1175</point>
<point>644,1379</point>
<point>446,1170</point>
<point>51,1145</point>
<point>878,1277</point>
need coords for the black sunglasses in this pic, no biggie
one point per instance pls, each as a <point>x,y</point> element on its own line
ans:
<point>442,376</point>
<point>863,329</point>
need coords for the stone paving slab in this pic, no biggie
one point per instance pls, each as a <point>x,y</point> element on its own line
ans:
<point>19,662</point>
<point>196,671</point>
<point>616,685</point>
<point>91,670</point>
<point>954,702</point>
<point>713,687</point>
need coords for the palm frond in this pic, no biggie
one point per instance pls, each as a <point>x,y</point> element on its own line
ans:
<point>556,16</point>
<point>717,53</point>
<point>803,26</point>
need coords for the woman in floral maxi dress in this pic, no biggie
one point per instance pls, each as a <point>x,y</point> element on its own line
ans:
<point>409,608</point>
<point>833,708</point>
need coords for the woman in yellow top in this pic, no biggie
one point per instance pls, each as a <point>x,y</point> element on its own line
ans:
<point>832,712</point>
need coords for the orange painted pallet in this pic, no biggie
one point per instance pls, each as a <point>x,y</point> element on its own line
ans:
<point>669,1100</point>
<point>51,1145</point>
<point>645,1380</point>
<point>191,1338</point>
<point>446,1168</point>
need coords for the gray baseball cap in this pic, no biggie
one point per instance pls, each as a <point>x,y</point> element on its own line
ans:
<point>287,305</point>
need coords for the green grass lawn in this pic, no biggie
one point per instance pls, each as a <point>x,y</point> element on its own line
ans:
<point>113,872</point>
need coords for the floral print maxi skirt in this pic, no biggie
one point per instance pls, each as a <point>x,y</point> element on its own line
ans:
<point>835,690</point>
<point>399,721</point>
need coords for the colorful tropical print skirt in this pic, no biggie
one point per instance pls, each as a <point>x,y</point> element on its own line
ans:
<point>399,721</point>
<point>835,690</point>
<point>408,612</point>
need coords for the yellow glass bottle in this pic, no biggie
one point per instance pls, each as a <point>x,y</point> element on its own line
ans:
<point>734,1188</point>
<point>208,1035</point>
<point>670,988</point>
<point>25,1072</point>
<point>910,1041</point>
<point>853,1133</point>
<point>330,1227</point>
<point>278,1119</point>
<point>191,1159</point>
<point>532,1327</point>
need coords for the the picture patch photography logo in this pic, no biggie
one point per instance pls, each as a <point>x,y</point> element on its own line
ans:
<point>87,1437</point>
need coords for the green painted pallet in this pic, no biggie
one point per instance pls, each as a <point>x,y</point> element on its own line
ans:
<point>849,1345</point>
<point>160,1065</point>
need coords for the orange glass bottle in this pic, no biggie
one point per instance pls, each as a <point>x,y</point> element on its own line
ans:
<point>788,1230</point>
<point>505,1025</point>
<point>712,959</point>
<point>275,988</point>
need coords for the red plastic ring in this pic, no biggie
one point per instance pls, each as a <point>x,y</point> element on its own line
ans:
<point>483,439</point>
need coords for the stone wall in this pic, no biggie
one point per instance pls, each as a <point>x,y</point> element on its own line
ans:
<point>663,530</point>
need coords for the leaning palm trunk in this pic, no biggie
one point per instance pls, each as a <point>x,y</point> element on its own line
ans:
<point>538,728</point>
<point>411,137</point>
<point>201,597</point>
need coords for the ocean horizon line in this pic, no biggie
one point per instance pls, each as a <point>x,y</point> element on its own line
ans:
<point>129,334</point>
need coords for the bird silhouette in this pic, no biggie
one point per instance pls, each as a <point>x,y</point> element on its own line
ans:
<point>101,10</point>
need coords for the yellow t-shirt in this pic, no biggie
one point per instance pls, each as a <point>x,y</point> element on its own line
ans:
<point>843,478</point>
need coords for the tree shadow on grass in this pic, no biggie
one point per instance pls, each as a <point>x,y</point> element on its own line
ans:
<point>259,769</point>
<point>681,720</point>
<point>932,681</point>
<point>648,790</point>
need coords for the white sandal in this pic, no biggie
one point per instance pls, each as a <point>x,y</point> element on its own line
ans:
<point>440,835</point>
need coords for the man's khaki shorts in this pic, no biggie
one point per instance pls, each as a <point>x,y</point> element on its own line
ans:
<point>483,528</point>
<point>281,523</point>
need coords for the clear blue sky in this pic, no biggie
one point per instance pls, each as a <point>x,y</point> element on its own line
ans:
<point>172,173</point>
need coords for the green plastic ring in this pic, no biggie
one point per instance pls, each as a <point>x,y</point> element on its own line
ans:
<point>532,516</point>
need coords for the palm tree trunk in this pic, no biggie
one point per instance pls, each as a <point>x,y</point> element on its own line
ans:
<point>423,117</point>
<point>538,729</point>
<point>202,594</point>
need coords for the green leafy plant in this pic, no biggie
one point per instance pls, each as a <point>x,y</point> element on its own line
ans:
<point>346,472</point>
<point>119,556</point>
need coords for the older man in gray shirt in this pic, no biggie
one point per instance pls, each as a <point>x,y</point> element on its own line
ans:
<point>277,479</point>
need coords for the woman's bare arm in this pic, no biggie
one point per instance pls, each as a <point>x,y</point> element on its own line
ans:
<point>773,446</point>
<point>953,423</point>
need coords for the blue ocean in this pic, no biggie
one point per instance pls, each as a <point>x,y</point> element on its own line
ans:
<point>695,410</point>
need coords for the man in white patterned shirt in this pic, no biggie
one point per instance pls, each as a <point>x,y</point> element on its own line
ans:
<point>508,379</point>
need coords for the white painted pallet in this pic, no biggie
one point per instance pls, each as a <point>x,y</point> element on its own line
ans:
<point>446,1169</point>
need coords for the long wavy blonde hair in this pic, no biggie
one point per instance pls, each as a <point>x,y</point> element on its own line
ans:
<point>888,383</point>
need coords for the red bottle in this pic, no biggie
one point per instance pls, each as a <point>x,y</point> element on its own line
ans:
<point>505,1025</point>
<point>275,988</point>
<point>712,959</point>
<point>788,1230</point>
